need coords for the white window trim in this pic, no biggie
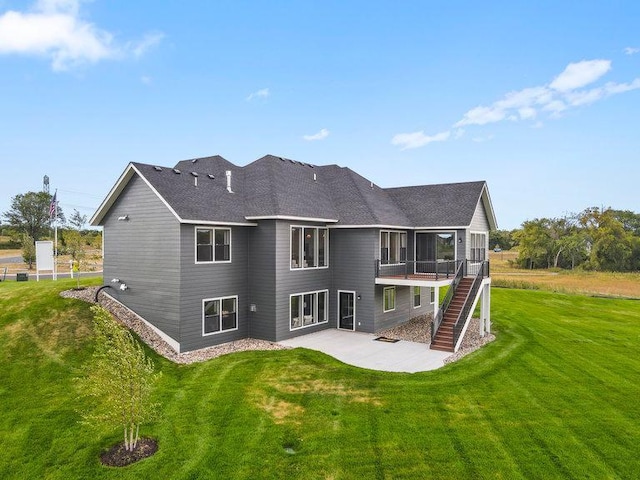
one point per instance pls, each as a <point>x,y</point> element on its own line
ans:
<point>204,300</point>
<point>301,245</point>
<point>213,239</point>
<point>413,297</point>
<point>326,309</point>
<point>399,247</point>
<point>486,243</point>
<point>432,295</point>
<point>395,298</point>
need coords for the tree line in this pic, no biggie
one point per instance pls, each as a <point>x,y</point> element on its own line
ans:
<point>30,219</point>
<point>594,239</point>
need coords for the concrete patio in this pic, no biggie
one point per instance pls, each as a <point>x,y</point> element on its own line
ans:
<point>362,350</point>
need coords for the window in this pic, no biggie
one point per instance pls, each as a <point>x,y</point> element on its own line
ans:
<point>393,247</point>
<point>478,246</point>
<point>308,309</point>
<point>417,301</point>
<point>309,247</point>
<point>213,245</point>
<point>389,299</point>
<point>219,315</point>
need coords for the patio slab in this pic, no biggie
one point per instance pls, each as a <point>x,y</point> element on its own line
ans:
<point>362,350</point>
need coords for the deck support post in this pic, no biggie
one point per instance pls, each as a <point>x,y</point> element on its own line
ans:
<point>485,310</point>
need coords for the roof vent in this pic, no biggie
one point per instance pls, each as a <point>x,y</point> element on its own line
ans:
<point>282,159</point>
<point>228,174</point>
<point>194,160</point>
<point>175,170</point>
<point>315,177</point>
<point>195,174</point>
<point>211,176</point>
<point>157,169</point>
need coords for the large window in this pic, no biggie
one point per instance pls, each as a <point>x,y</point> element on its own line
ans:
<point>219,315</point>
<point>309,247</point>
<point>393,247</point>
<point>478,246</point>
<point>213,245</point>
<point>308,309</point>
<point>389,299</point>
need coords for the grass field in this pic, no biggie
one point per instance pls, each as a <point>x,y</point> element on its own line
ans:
<point>555,396</point>
<point>626,285</point>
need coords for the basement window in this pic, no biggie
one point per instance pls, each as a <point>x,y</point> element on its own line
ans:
<point>219,315</point>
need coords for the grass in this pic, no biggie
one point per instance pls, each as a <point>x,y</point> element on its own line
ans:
<point>609,284</point>
<point>555,396</point>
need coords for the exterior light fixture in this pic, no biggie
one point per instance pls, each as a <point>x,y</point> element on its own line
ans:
<point>459,239</point>
<point>123,218</point>
<point>124,287</point>
<point>115,280</point>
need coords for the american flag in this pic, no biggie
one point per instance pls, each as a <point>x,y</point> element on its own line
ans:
<point>53,205</point>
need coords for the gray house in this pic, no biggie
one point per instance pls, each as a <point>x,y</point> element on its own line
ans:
<point>208,252</point>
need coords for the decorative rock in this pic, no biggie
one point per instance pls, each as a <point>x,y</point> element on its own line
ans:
<point>132,321</point>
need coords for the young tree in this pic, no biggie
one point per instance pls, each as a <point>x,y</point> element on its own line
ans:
<point>29,213</point>
<point>119,379</point>
<point>28,250</point>
<point>77,221</point>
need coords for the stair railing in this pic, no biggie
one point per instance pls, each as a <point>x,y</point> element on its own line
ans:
<point>468,302</point>
<point>437,319</point>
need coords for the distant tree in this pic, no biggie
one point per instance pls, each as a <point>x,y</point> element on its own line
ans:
<point>534,244</point>
<point>630,220</point>
<point>29,213</point>
<point>28,250</point>
<point>74,244</point>
<point>77,220</point>
<point>611,245</point>
<point>502,239</point>
<point>119,379</point>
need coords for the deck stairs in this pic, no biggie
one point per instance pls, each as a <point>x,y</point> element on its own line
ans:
<point>444,338</point>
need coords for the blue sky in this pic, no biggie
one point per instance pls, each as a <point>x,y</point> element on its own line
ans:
<point>541,99</point>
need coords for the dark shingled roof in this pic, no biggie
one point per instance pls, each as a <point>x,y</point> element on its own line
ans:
<point>444,205</point>
<point>278,187</point>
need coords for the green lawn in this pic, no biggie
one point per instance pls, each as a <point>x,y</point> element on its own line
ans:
<point>557,395</point>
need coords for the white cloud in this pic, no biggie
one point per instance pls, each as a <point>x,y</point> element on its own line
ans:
<point>482,116</point>
<point>631,50</point>
<point>566,91</point>
<point>55,30</point>
<point>580,74</point>
<point>264,93</point>
<point>146,80</point>
<point>418,139</point>
<point>150,40</point>
<point>321,135</point>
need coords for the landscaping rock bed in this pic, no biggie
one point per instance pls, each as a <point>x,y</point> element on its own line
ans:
<point>129,319</point>
<point>418,329</point>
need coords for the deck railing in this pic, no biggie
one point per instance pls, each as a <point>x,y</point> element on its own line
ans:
<point>436,270</point>
<point>437,319</point>
<point>482,271</point>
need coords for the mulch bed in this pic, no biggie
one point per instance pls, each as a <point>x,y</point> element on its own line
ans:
<point>117,456</point>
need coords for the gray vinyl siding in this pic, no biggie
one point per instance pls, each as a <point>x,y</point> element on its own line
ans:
<point>353,255</point>
<point>261,272</point>
<point>143,252</point>
<point>211,280</point>
<point>288,281</point>
<point>479,223</point>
